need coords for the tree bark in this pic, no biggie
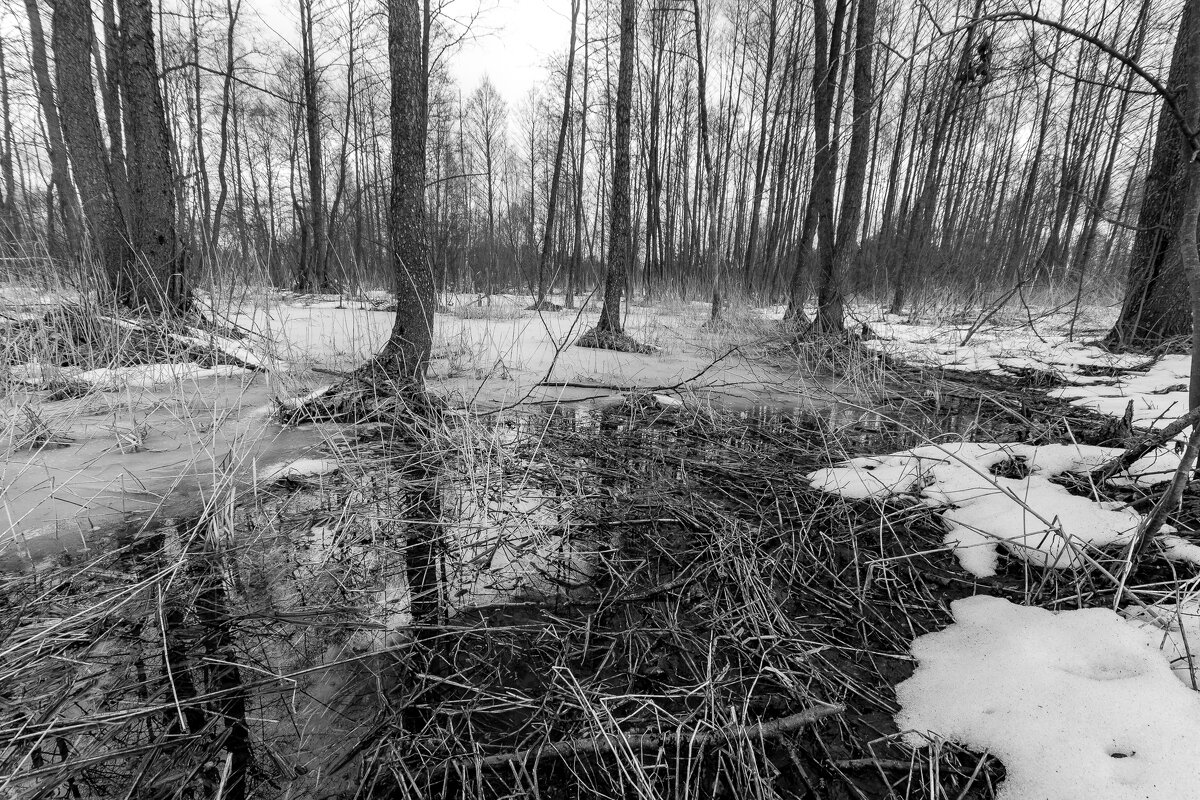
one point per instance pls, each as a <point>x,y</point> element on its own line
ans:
<point>818,222</point>
<point>158,273</point>
<point>1151,311</point>
<point>314,276</point>
<point>9,221</point>
<point>830,312</point>
<point>72,35</point>
<point>406,354</point>
<point>60,170</point>
<point>620,245</point>
<point>232,10</point>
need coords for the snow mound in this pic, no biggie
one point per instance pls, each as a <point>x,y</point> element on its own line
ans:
<point>989,500</point>
<point>1077,705</point>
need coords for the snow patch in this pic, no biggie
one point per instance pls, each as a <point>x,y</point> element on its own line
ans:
<point>1036,519</point>
<point>145,376</point>
<point>1077,705</point>
<point>1175,630</point>
<point>300,468</point>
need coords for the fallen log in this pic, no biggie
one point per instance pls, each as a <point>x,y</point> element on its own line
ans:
<point>617,740</point>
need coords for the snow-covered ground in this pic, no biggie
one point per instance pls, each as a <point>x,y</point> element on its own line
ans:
<point>488,356</point>
<point>155,437</point>
<point>1013,345</point>
<point>1078,705</point>
<point>985,504</point>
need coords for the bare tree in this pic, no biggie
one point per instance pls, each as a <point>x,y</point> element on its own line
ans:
<point>539,301</point>
<point>488,117</point>
<point>314,276</point>
<point>609,332</point>
<point>60,170</point>
<point>835,263</point>
<point>72,32</point>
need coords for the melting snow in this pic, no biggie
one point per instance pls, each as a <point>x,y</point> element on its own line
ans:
<point>300,468</point>
<point>145,376</point>
<point>1175,630</point>
<point>1158,390</point>
<point>1034,518</point>
<point>1077,705</point>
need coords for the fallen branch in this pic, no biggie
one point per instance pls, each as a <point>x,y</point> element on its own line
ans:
<point>1157,439</point>
<point>607,742</point>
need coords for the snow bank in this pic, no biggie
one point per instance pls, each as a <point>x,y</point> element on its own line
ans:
<point>1078,705</point>
<point>145,376</point>
<point>1035,519</point>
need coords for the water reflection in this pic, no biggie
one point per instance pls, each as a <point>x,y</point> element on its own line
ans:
<point>272,637</point>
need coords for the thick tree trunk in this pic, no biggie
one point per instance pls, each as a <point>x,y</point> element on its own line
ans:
<point>72,33</point>
<point>1152,310</point>
<point>830,311</point>
<point>158,273</point>
<point>620,246</point>
<point>818,214</point>
<point>406,354</point>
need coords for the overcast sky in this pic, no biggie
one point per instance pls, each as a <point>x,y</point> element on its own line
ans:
<point>510,40</point>
<point>514,40</point>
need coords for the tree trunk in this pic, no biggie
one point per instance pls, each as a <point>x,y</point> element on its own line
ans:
<point>829,298</point>
<point>406,354</point>
<point>818,215</point>
<point>72,33</point>
<point>552,201</point>
<point>9,221</point>
<point>314,276</point>
<point>577,248</point>
<point>620,245</point>
<point>158,274</point>
<point>232,10</point>
<point>1157,278</point>
<point>60,170</point>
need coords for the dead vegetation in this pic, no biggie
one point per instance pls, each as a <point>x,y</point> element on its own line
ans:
<point>643,601</point>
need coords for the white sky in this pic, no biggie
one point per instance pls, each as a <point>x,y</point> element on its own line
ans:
<point>513,40</point>
<point>509,40</point>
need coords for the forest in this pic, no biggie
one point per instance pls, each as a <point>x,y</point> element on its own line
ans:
<point>599,399</point>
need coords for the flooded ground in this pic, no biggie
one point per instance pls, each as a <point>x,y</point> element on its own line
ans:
<point>632,565</point>
<point>568,553</point>
<point>89,463</point>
